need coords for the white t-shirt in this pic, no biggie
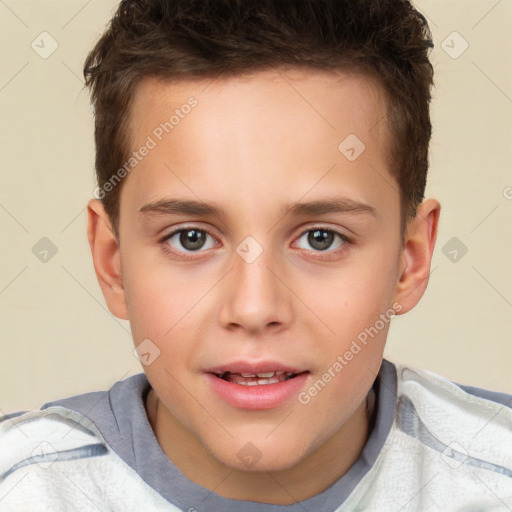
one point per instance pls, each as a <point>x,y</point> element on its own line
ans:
<point>434,446</point>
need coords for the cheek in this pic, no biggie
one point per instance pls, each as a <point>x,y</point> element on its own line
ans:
<point>362,322</point>
<point>157,295</point>
<point>352,298</point>
<point>349,360</point>
<point>165,306</point>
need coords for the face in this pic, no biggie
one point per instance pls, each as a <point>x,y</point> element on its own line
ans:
<point>255,237</point>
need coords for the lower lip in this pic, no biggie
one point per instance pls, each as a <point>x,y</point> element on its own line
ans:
<point>265,396</point>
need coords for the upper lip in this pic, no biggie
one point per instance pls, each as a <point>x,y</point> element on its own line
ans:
<point>253,367</point>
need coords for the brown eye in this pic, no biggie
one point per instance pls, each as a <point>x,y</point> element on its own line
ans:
<point>190,239</point>
<point>320,239</point>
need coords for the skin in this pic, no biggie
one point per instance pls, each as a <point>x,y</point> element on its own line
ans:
<point>252,145</point>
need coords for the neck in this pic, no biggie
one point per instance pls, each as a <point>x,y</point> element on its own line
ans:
<point>328,463</point>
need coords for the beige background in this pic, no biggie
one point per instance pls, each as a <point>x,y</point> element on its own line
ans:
<point>58,338</point>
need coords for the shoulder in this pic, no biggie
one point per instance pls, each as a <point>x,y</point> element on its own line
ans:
<point>433,394</point>
<point>40,454</point>
<point>44,436</point>
<point>69,451</point>
<point>463,424</point>
<point>71,428</point>
<point>450,448</point>
<point>55,457</point>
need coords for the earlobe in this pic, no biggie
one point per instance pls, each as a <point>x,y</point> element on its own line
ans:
<point>106,258</point>
<point>417,254</point>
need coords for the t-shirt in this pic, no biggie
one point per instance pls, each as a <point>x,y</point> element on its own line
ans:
<point>434,445</point>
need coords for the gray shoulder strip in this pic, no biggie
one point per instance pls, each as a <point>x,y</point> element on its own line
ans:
<point>12,415</point>
<point>46,459</point>
<point>495,396</point>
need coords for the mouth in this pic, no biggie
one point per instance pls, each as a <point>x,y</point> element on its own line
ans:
<point>253,385</point>
<point>257,389</point>
<point>257,379</point>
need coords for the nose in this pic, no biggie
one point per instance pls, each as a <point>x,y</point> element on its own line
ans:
<point>255,297</point>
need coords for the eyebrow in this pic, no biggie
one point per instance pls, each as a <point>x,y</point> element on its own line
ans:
<point>198,208</point>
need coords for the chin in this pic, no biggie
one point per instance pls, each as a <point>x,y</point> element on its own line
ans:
<point>260,454</point>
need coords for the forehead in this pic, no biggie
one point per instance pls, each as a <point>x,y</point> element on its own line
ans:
<point>335,98</point>
<point>254,133</point>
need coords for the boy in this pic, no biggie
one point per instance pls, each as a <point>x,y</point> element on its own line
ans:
<point>259,221</point>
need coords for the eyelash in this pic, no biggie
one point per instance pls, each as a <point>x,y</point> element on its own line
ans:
<point>347,242</point>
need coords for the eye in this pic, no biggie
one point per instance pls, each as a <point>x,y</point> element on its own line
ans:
<point>191,239</point>
<point>321,239</point>
<point>186,241</point>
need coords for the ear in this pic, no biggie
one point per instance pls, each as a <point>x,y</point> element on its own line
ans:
<point>106,258</point>
<point>416,255</point>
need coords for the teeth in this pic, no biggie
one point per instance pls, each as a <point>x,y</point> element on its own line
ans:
<point>262,375</point>
<point>259,382</point>
<point>268,381</point>
<point>261,379</point>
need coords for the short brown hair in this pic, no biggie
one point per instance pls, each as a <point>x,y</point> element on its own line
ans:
<point>388,40</point>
